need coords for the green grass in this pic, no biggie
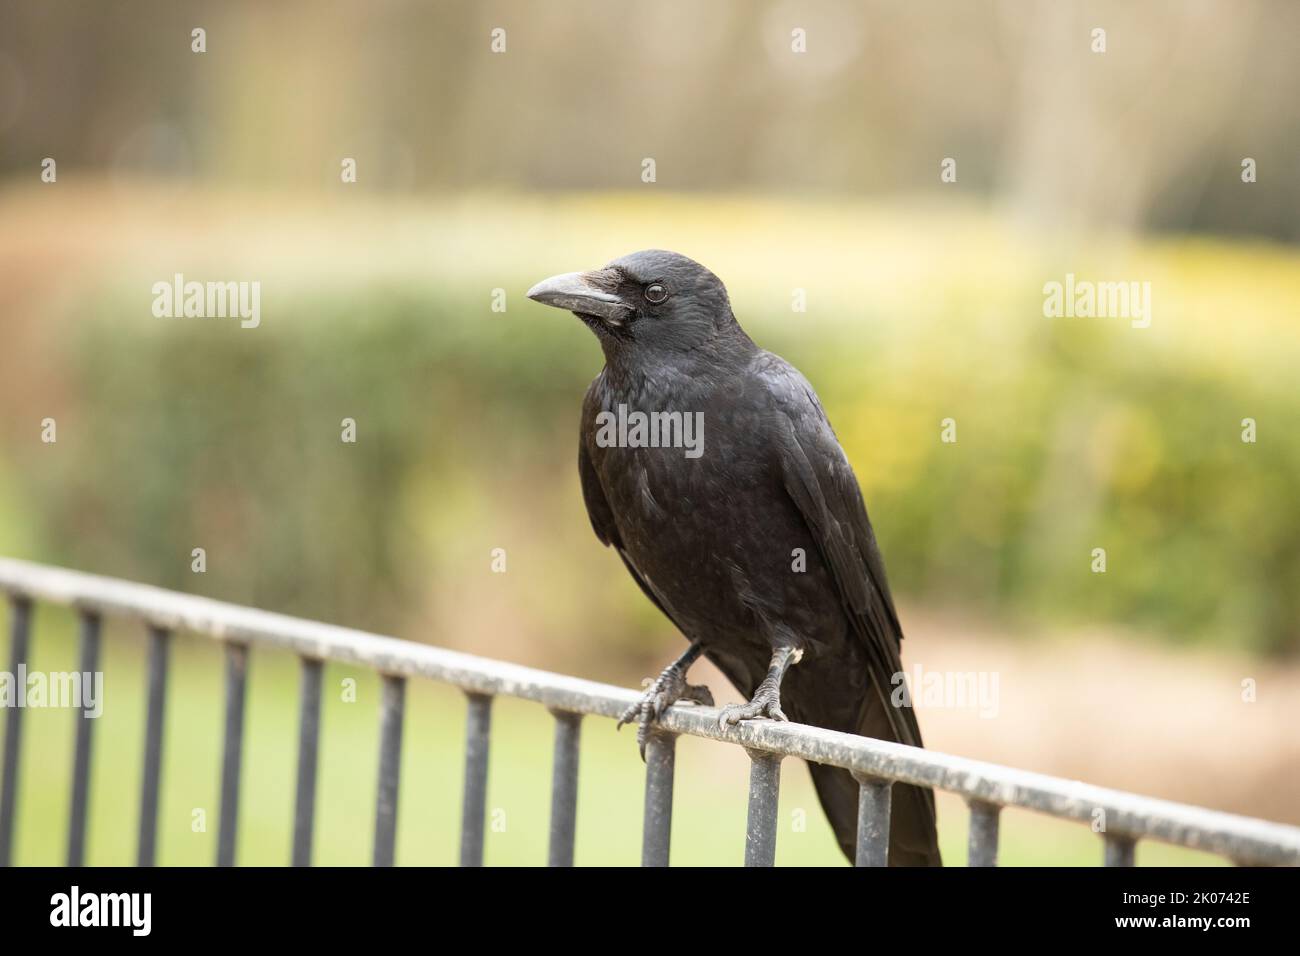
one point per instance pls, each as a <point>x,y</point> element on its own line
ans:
<point>709,810</point>
<point>177,434</point>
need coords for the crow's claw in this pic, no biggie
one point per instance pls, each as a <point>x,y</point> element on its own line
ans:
<point>766,703</point>
<point>661,693</point>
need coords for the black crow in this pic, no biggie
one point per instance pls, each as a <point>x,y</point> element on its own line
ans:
<point>709,465</point>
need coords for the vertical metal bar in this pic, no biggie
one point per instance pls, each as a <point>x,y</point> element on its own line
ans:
<point>657,829</point>
<point>392,703</point>
<point>159,638</point>
<point>873,821</point>
<point>564,788</point>
<point>982,848</point>
<point>478,729</point>
<point>1119,850</point>
<point>236,679</point>
<point>20,631</point>
<point>304,810</point>
<point>764,792</point>
<point>90,630</point>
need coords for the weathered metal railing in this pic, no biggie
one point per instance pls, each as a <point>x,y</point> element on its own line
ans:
<point>876,764</point>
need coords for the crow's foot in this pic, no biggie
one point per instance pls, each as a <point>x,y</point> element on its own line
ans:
<point>766,703</point>
<point>661,693</point>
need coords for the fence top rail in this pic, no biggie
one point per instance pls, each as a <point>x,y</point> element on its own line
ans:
<point>1242,839</point>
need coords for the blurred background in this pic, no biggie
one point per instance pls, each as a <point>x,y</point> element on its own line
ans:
<point>781,171</point>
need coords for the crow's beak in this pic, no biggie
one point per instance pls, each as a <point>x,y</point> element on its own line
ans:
<point>575,292</point>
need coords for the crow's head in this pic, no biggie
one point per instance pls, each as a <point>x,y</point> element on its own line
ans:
<point>647,303</point>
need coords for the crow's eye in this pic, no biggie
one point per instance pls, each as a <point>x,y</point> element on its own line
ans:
<point>655,293</point>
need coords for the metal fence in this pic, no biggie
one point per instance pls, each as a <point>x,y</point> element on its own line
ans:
<point>876,764</point>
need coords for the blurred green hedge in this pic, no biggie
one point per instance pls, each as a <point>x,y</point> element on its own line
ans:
<point>1071,436</point>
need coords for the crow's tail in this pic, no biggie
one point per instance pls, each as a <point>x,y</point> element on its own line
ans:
<point>913,838</point>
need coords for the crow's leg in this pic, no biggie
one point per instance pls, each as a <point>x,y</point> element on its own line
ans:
<point>664,691</point>
<point>767,698</point>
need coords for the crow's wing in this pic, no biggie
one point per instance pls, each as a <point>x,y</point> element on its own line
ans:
<point>818,478</point>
